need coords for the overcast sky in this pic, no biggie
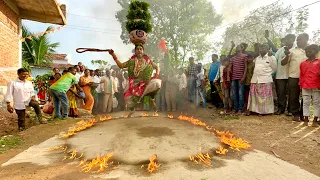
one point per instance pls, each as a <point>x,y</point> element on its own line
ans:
<point>104,31</point>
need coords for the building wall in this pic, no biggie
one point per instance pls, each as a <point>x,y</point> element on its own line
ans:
<point>10,29</point>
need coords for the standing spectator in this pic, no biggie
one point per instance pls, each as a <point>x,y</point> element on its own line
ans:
<point>86,83</point>
<point>171,92</point>
<point>250,68</point>
<point>55,71</point>
<point>227,92</point>
<point>283,74</point>
<point>20,92</point>
<point>213,71</point>
<point>121,79</point>
<point>125,82</point>
<point>182,87</point>
<point>295,57</point>
<point>78,73</point>
<point>310,83</point>
<point>98,98</point>
<point>91,74</point>
<point>200,88</point>
<point>106,89</point>
<point>237,73</point>
<point>192,76</point>
<point>219,76</point>
<point>58,92</point>
<point>115,87</point>
<point>261,97</point>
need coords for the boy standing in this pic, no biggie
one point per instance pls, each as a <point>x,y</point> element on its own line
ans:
<point>237,73</point>
<point>310,83</point>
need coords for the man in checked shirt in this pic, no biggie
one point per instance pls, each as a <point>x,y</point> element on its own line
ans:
<point>192,76</point>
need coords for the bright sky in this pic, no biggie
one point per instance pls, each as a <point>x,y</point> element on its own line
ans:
<point>104,30</point>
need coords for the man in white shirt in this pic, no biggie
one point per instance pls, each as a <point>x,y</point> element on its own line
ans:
<point>283,74</point>
<point>115,87</point>
<point>182,78</point>
<point>98,98</point>
<point>20,92</point>
<point>294,58</point>
<point>261,97</point>
<point>107,89</point>
<point>78,73</point>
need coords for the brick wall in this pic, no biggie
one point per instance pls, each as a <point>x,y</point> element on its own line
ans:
<point>9,46</point>
<point>9,43</point>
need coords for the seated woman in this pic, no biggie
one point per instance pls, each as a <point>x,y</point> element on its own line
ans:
<point>86,82</point>
<point>140,69</point>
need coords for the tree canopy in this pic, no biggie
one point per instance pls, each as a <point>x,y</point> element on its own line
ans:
<point>39,49</point>
<point>185,24</point>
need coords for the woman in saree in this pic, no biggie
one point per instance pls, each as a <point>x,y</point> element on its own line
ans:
<point>140,70</point>
<point>86,82</point>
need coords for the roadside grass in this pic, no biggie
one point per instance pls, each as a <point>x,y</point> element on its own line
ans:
<point>9,141</point>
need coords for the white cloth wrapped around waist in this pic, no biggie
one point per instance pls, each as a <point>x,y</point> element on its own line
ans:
<point>152,86</point>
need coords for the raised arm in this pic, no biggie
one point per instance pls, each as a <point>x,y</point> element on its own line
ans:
<point>232,46</point>
<point>115,58</point>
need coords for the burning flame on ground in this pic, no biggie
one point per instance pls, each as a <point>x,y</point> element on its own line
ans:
<point>153,165</point>
<point>205,159</point>
<point>62,147</point>
<point>73,155</point>
<point>234,143</point>
<point>194,121</point>
<point>222,151</point>
<point>145,115</point>
<point>105,118</point>
<point>170,116</point>
<point>155,114</point>
<point>100,163</point>
<point>79,126</point>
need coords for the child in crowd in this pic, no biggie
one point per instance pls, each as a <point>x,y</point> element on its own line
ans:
<point>200,85</point>
<point>310,83</point>
<point>250,68</point>
<point>226,86</point>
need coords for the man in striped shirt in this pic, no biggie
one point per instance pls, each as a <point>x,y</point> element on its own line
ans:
<point>192,76</point>
<point>237,74</point>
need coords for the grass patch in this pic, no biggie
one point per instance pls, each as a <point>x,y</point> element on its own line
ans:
<point>8,142</point>
<point>229,118</point>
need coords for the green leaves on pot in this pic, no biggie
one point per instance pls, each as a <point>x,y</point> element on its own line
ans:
<point>139,5</point>
<point>141,25</point>
<point>138,17</point>
<point>139,14</point>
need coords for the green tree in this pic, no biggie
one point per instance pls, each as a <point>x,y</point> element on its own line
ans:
<point>39,49</point>
<point>100,64</point>
<point>185,23</point>
<point>301,21</point>
<point>316,37</point>
<point>274,17</point>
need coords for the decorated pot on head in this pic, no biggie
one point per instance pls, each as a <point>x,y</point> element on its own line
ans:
<point>138,24</point>
<point>138,36</point>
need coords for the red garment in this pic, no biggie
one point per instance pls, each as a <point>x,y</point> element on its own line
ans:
<point>139,88</point>
<point>162,45</point>
<point>309,78</point>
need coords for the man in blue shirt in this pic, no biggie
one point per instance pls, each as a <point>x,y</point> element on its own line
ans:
<point>214,67</point>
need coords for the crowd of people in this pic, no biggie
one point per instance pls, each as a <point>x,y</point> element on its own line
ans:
<point>264,81</point>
